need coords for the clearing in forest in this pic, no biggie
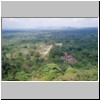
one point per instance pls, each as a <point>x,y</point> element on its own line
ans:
<point>44,50</point>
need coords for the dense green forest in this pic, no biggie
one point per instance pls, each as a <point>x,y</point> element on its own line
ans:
<point>50,55</point>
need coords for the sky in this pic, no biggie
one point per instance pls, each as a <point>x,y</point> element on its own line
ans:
<point>32,23</point>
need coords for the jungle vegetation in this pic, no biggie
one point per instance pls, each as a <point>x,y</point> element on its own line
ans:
<point>50,55</point>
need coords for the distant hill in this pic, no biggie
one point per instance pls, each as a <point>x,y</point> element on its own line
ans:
<point>49,28</point>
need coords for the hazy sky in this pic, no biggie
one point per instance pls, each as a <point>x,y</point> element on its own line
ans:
<point>31,23</point>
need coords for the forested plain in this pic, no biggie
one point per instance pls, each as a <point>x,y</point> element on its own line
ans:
<point>50,55</point>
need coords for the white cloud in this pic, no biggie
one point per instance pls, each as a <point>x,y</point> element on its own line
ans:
<point>30,23</point>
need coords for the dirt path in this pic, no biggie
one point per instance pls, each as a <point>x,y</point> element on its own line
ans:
<point>47,51</point>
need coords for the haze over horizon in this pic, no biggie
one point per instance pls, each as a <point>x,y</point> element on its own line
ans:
<point>42,23</point>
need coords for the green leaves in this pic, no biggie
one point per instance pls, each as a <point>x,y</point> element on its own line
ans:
<point>50,71</point>
<point>21,76</point>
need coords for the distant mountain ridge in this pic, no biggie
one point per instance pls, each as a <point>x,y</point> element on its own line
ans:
<point>48,28</point>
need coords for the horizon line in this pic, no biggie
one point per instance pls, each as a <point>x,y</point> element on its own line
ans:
<point>42,28</point>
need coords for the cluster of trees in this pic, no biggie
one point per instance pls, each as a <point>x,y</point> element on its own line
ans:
<point>21,60</point>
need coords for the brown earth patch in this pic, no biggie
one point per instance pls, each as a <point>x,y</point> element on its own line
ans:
<point>68,58</point>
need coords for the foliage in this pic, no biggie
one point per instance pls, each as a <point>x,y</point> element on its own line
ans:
<point>36,55</point>
<point>21,76</point>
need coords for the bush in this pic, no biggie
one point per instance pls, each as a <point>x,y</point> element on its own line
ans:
<point>21,76</point>
<point>51,71</point>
